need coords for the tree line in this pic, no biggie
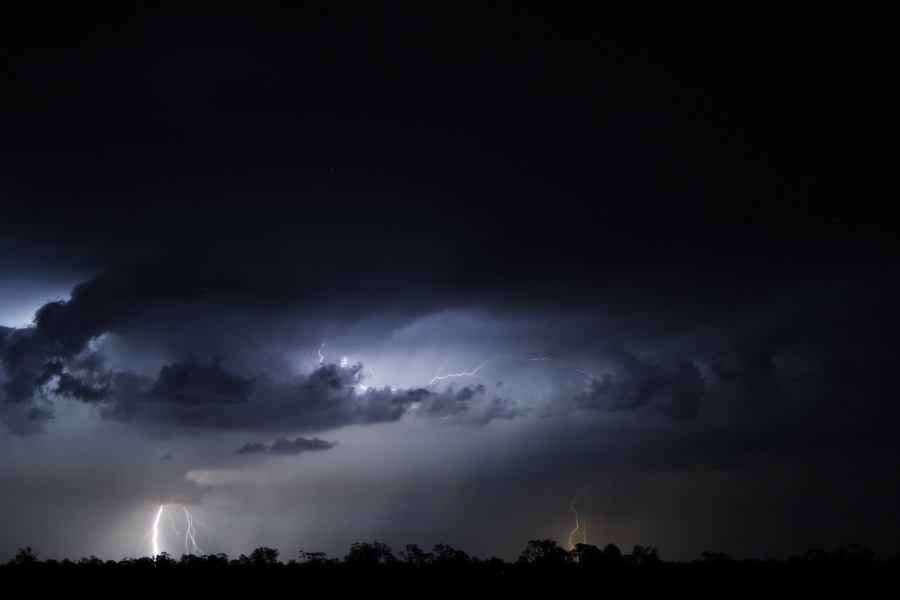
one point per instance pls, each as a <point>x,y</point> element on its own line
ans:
<point>542,552</point>
<point>543,568</point>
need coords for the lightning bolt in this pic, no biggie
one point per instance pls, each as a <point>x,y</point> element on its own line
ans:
<point>190,533</point>
<point>154,538</point>
<point>474,372</point>
<point>344,363</point>
<point>582,525</point>
<point>443,364</point>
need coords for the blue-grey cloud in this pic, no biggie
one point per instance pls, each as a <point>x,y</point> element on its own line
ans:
<point>330,396</point>
<point>283,446</point>
<point>641,384</point>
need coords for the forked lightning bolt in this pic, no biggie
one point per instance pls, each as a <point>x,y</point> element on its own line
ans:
<point>190,532</point>
<point>579,524</point>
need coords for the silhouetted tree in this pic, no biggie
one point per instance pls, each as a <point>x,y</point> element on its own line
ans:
<point>263,556</point>
<point>26,556</point>
<point>814,555</point>
<point>376,553</point>
<point>544,552</point>
<point>445,554</point>
<point>587,554</point>
<point>191,560</point>
<point>612,554</point>
<point>855,552</point>
<point>644,555</point>
<point>716,557</point>
<point>219,560</point>
<point>313,558</point>
<point>414,555</point>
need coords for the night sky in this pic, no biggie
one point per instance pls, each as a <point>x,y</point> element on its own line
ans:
<point>423,274</point>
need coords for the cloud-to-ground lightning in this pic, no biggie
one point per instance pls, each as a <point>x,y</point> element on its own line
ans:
<point>580,523</point>
<point>154,539</point>
<point>190,533</point>
<point>474,372</point>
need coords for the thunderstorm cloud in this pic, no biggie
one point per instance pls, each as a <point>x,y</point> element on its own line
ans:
<point>483,262</point>
<point>286,447</point>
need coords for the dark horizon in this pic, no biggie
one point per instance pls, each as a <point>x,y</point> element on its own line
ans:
<point>535,552</point>
<point>542,569</point>
<point>303,276</point>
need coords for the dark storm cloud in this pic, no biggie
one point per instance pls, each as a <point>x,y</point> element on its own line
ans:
<point>726,373</point>
<point>195,384</point>
<point>70,386</point>
<point>287,447</point>
<point>62,330</point>
<point>114,301</point>
<point>175,287</point>
<point>57,357</point>
<point>227,191</point>
<point>91,386</point>
<point>766,356</point>
<point>470,404</point>
<point>639,383</point>
<point>453,401</point>
<point>331,396</point>
<point>756,363</point>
